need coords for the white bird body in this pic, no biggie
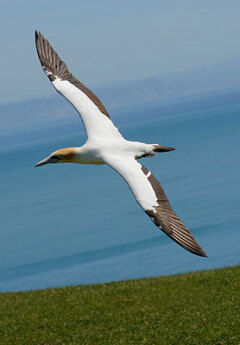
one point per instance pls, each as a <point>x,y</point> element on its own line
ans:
<point>106,145</point>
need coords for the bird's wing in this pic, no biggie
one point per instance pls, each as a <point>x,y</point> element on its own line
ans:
<point>93,113</point>
<point>152,198</point>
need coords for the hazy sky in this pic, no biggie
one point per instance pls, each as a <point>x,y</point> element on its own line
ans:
<point>107,41</point>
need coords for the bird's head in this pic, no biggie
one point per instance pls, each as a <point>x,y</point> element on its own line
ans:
<point>60,156</point>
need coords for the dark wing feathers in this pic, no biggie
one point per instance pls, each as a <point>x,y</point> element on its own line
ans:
<point>167,220</point>
<point>54,67</point>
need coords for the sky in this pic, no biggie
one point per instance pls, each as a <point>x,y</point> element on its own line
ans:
<point>109,41</point>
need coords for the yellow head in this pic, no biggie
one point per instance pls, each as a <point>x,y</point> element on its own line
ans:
<point>60,156</point>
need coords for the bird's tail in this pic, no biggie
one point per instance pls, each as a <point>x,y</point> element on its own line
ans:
<point>160,148</point>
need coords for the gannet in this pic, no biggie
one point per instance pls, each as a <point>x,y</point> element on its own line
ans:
<point>105,145</point>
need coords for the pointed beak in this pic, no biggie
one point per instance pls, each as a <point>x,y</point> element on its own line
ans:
<point>46,161</point>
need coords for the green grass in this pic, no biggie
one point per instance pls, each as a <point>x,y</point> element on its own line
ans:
<point>201,308</point>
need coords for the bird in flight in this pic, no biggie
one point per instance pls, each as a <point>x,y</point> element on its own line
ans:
<point>106,145</point>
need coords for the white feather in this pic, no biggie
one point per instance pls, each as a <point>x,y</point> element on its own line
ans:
<point>131,172</point>
<point>96,123</point>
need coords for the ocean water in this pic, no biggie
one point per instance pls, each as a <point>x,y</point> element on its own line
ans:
<point>77,224</point>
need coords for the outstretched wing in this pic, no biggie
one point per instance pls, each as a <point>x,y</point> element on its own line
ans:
<point>152,198</point>
<point>93,113</point>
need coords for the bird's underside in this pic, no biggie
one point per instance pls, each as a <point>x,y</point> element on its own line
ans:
<point>106,145</point>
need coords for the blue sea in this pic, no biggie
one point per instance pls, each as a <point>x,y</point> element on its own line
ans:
<point>77,224</point>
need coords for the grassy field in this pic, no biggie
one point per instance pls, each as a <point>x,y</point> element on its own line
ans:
<point>200,308</point>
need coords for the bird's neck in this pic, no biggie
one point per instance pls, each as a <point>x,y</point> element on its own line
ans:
<point>80,155</point>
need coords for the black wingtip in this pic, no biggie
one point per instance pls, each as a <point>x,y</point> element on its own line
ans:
<point>204,255</point>
<point>36,42</point>
<point>36,35</point>
<point>197,251</point>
